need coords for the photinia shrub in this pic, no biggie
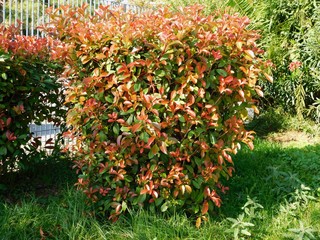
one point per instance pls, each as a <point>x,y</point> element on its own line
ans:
<point>29,92</point>
<point>158,103</point>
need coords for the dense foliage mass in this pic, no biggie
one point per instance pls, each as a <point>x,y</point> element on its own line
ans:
<point>29,92</point>
<point>290,34</point>
<point>157,102</point>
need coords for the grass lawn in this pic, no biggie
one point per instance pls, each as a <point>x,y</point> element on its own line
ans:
<point>274,194</point>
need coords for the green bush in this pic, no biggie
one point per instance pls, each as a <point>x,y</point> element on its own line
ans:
<point>158,102</point>
<point>29,92</point>
<point>290,29</point>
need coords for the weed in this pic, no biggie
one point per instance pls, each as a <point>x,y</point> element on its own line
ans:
<point>240,226</point>
<point>301,233</point>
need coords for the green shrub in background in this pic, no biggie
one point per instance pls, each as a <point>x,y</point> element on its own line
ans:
<point>29,92</point>
<point>157,102</point>
<point>289,34</point>
<point>290,29</point>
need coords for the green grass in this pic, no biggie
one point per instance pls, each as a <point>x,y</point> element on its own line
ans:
<point>273,176</point>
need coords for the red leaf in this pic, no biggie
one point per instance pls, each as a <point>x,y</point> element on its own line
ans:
<point>250,53</point>
<point>50,141</point>
<point>268,77</point>
<point>198,222</point>
<point>135,127</point>
<point>163,148</point>
<point>10,136</point>
<point>42,234</point>
<point>9,120</point>
<point>100,56</point>
<point>259,92</point>
<point>241,93</point>
<point>205,207</point>
<point>87,81</point>
<point>49,147</point>
<point>191,113</point>
<point>150,140</point>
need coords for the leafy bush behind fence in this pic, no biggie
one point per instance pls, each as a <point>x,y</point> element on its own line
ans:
<point>29,93</point>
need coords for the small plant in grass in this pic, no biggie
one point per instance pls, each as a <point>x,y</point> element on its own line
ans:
<point>250,208</point>
<point>303,195</point>
<point>288,184</point>
<point>158,103</point>
<point>240,227</point>
<point>301,233</point>
<point>289,209</point>
<point>241,224</point>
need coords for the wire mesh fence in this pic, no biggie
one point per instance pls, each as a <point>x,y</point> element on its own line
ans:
<point>32,13</point>
<point>44,132</point>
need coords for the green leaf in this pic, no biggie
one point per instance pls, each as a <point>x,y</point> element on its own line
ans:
<point>109,99</point>
<point>2,59</point>
<point>125,129</point>
<point>164,207</point>
<point>144,137</point>
<point>212,138</point>
<point>102,136</point>
<point>3,150</point>
<point>158,201</point>
<point>191,134</point>
<point>212,75</point>
<point>222,72</point>
<point>150,155</point>
<point>23,136</point>
<point>155,149</point>
<point>190,169</point>
<point>245,232</point>
<point>4,76</point>
<point>222,64</point>
<point>131,110</point>
<point>198,161</point>
<point>124,206</point>
<point>181,119</point>
<point>160,73</point>
<point>10,148</point>
<point>22,88</point>
<point>196,184</point>
<point>137,86</point>
<point>142,198</point>
<point>130,119</point>
<point>116,129</point>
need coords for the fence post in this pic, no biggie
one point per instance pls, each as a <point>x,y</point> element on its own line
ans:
<point>2,10</point>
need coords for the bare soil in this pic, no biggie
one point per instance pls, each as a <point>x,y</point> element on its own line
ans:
<point>294,138</point>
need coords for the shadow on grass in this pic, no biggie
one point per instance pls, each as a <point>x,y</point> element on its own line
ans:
<point>268,122</point>
<point>44,180</point>
<point>272,174</point>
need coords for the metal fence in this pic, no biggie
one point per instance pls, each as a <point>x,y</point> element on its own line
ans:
<point>44,132</point>
<point>32,13</point>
